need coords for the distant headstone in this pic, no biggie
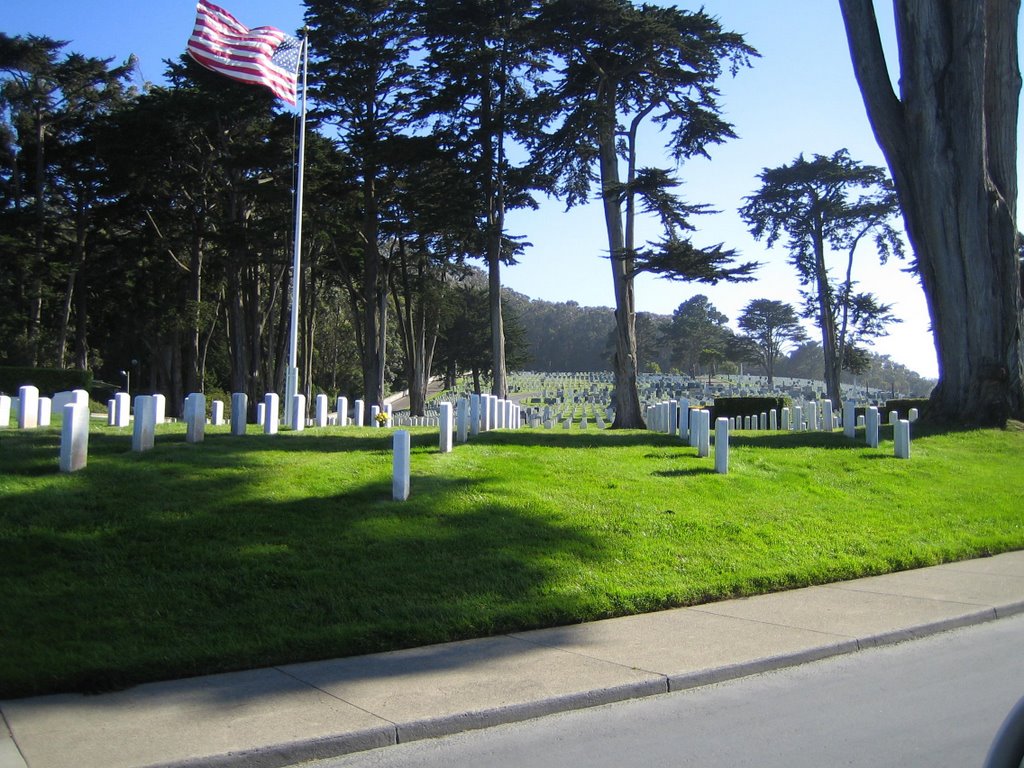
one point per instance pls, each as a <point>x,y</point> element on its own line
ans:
<point>45,408</point>
<point>160,404</point>
<point>722,446</point>
<point>239,409</point>
<point>5,411</point>
<point>342,411</point>
<point>400,465</point>
<point>298,412</point>
<point>390,415</point>
<point>216,413</point>
<point>684,419</point>
<point>28,407</point>
<point>474,414</point>
<point>850,418</point>
<point>785,419</point>
<point>902,439</point>
<point>445,428</point>
<point>704,443</point>
<point>360,413</point>
<point>144,428</point>
<point>913,415</point>
<point>462,421</point>
<point>894,417</point>
<point>871,427</point>
<point>271,413</point>
<point>773,420</point>
<point>798,418</point>
<point>123,409</point>
<point>374,413</point>
<point>195,417</point>
<point>321,410</point>
<point>74,434</point>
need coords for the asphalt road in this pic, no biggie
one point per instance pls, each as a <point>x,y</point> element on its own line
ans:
<point>933,702</point>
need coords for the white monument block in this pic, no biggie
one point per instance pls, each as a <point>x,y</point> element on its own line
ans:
<point>271,413</point>
<point>5,411</point>
<point>474,414</point>
<point>123,409</point>
<point>45,409</point>
<point>402,448</point>
<point>359,414</point>
<point>239,408</point>
<point>462,420</point>
<point>850,418</point>
<point>74,435</point>
<point>871,427</point>
<point>216,413</point>
<point>342,411</point>
<point>144,428</point>
<point>445,426</point>
<point>722,446</point>
<point>28,407</point>
<point>704,442</point>
<point>195,417</point>
<point>298,413</point>
<point>902,439</point>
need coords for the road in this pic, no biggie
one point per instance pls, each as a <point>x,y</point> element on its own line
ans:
<point>932,702</point>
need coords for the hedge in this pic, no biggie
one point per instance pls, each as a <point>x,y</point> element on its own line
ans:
<point>48,381</point>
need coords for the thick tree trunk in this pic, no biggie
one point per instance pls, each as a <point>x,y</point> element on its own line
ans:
<point>950,140</point>
<point>624,365</point>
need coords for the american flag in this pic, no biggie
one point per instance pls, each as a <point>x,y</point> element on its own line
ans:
<point>262,55</point>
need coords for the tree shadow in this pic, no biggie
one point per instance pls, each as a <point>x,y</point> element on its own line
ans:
<point>172,565</point>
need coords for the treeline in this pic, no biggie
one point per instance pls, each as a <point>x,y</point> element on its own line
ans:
<point>694,340</point>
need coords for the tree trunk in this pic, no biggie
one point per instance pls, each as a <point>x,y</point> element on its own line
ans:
<point>833,365</point>
<point>624,363</point>
<point>950,140</point>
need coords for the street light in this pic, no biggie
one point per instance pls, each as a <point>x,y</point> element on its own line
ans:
<point>127,382</point>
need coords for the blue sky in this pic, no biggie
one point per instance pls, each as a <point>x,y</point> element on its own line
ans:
<point>800,97</point>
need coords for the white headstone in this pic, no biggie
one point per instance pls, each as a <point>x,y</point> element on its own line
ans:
<point>5,411</point>
<point>861,421</point>
<point>694,428</point>
<point>684,419</point>
<point>913,415</point>
<point>374,413</point>
<point>474,415</point>
<point>195,417</point>
<point>871,427</point>
<point>849,418</point>
<point>123,409</point>
<point>239,409</point>
<point>902,439</point>
<point>462,419</point>
<point>722,446</point>
<point>271,413</point>
<point>28,407</point>
<point>798,418</point>
<point>360,413</point>
<point>826,415</point>
<point>45,408</point>
<point>160,403</point>
<point>894,417</point>
<point>321,410</point>
<point>704,444</point>
<point>400,465</point>
<point>74,434</point>
<point>216,413</point>
<point>111,412</point>
<point>390,415</point>
<point>298,413</point>
<point>144,428</point>
<point>445,428</point>
<point>773,420</point>
<point>261,414</point>
<point>785,419</point>
<point>342,411</point>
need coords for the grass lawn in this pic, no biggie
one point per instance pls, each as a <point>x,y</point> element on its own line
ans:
<point>249,551</point>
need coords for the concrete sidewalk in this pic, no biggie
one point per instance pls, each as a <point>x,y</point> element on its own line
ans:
<point>284,715</point>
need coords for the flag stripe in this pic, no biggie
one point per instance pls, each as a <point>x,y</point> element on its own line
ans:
<point>263,55</point>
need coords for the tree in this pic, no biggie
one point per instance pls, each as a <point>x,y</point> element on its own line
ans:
<point>770,326</point>
<point>696,326</point>
<point>48,100</point>
<point>364,86</point>
<point>950,141</point>
<point>829,202</point>
<point>479,78</point>
<point>622,66</point>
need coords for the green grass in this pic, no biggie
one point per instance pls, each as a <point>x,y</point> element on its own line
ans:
<point>251,551</point>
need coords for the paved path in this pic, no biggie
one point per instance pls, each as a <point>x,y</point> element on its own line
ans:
<point>284,715</point>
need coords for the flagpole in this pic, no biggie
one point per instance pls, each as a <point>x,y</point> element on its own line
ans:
<point>292,374</point>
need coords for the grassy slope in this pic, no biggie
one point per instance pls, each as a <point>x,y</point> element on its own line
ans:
<point>244,552</point>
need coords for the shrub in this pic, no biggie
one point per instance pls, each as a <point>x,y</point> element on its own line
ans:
<point>48,381</point>
<point>729,407</point>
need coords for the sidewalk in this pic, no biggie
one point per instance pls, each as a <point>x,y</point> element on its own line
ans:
<point>284,715</point>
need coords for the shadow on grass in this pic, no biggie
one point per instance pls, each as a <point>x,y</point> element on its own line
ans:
<point>171,565</point>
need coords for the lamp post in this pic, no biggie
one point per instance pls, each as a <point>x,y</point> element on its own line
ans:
<point>127,381</point>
